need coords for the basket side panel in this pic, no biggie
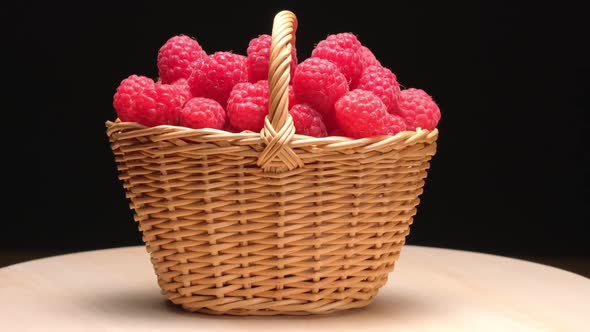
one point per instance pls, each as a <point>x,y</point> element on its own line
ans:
<point>226,237</point>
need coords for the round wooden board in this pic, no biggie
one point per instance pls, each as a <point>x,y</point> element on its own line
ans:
<point>430,290</point>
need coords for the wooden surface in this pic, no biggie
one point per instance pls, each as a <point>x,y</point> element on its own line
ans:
<point>430,290</point>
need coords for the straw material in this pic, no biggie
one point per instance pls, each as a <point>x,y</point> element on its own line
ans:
<point>272,222</point>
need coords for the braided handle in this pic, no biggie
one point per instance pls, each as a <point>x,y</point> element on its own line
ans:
<point>279,130</point>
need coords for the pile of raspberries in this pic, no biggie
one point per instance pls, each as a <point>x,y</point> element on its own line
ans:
<point>341,90</point>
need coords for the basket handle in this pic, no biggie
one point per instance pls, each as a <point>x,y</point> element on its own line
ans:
<point>279,130</point>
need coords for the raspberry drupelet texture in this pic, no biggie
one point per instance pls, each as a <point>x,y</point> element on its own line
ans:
<point>383,83</point>
<point>215,76</point>
<point>319,83</point>
<point>126,95</point>
<point>177,58</point>
<point>307,121</point>
<point>158,104</point>
<point>342,49</point>
<point>393,124</point>
<point>292,98</point>
<point>202,113</point>
<point>183,89</point>
<point>418,109</point>
<point>368,58</point>
<point>244,59</point>
<point>361,114</point>
<point>248,105</point>
<point>258,58</point>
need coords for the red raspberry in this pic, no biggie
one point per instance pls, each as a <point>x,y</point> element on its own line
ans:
<point>343,50</point>
<point>244,59</point>
<point>126,95</point>
<point>258,58</point>
<point>202,113</point>
<point>158,104</point>
<point>418,109</point>
<point>215,76</point>
<point>248,105</point>
<point>368,58</point>
<point>183,89</point>
<point>292,99</point>
<point>177,58</point>
<point>383,83</point>
<point>318,82</point>
<point>393,124</point>
<point>308,121</point>
<point>361,114</point>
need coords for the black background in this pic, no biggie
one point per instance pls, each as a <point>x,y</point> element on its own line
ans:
<point>510,79</point>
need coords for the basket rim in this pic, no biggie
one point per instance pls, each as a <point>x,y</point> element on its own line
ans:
<point>121,130</point>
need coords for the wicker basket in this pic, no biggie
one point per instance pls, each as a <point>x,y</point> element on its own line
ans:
<point>272,222</point>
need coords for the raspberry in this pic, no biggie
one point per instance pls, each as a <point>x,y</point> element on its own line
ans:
<point>242,58</point>
<point>177,58</point>
<point>183,89</point>
<point>393,124</point>
<point>343,50</point>
<point>158,104</point>
<point>361,114</point>
<point>318,82</point>
<point>248,105</point>
<point>126,95</point>
<point>418,109</point>
<point>383,83</point>
<point>307,121</point>
<point>292,99</point>
<point>258,58</point>
<point>368,58</point>
<point>215,76</point>
<point>202,113</point>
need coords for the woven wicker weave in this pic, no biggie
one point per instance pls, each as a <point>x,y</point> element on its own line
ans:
<point>271,223</point>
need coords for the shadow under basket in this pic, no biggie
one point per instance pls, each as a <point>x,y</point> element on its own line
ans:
<point>271,223</point>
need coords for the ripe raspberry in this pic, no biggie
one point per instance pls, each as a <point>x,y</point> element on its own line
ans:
<point>308,121</point>
<point>215,76</point>
<point>158,104</point>
<point>393,124</point>
<point>343,50</point>
<point>248,105</point>
<point>177,58</point>
<point>183,89</point>
<point>418,109</point>
<point>318,82</point>
<point>383,83</point>
<point>361,114</point>
<point>126,95</point>
<point>368,58</point>
<point>202,113</point>
<point>292,98</point>
<point>258,58</point>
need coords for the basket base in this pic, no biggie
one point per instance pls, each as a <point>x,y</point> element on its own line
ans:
<point>320,304</point>
<point>289,310</point>
<point>326,301</point>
